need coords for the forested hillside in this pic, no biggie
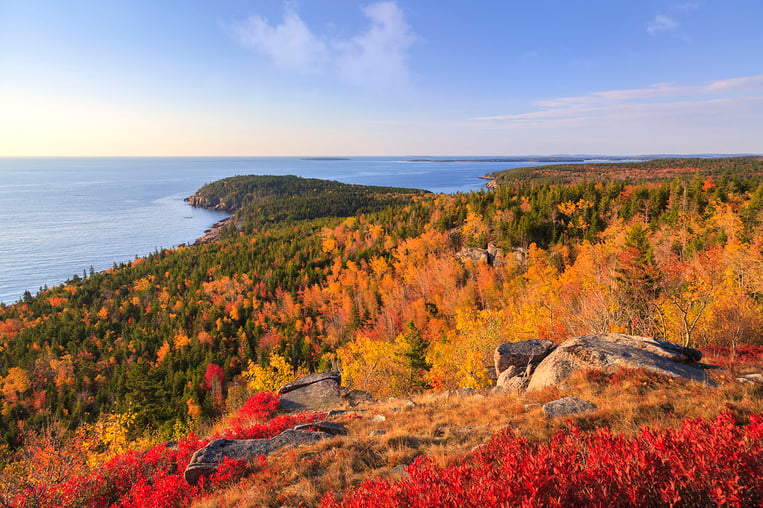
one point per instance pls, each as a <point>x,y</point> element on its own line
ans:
<point>257,199</point>
<point>314,274</point>
<point>649,170</point>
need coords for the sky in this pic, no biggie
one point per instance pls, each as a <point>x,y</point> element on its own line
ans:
<point>413,77</point>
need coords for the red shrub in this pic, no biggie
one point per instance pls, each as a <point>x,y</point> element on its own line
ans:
<point>702,463</point>
<point>155,478</point>
<point>742,355</point>
<point>258,407</point>
<point>214,375</point>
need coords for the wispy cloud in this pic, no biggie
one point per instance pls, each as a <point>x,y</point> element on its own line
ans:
<point>291,45</point>
<point>375,58</point>
<point>657,99</point>
<point>378,56</point>
<point>661,23</point>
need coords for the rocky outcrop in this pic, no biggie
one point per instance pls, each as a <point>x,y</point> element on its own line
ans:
<point>206,460</point>
<point>492,255</point>
<point>312,392</point>
<point>200,201</point>
<point>335,429</point>
<point>309,379</point>
<point>515,361</point>
<point>567,406</point>
<point>354,397</point>
<point>611,351</point>
<point>212,234</point>
<point>510,384</point>
<point>475,254</point>
<point>519,355</point>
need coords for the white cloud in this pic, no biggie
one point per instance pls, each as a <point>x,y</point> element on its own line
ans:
<point>708,106</point>
<point>661,23</point>
<point>749,84</point>
<point>375,58</point>
<point>291,45</point>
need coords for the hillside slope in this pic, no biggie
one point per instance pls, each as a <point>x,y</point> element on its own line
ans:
<point>172,342</point>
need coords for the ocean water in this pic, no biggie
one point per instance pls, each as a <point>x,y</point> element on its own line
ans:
<point>62,216</point>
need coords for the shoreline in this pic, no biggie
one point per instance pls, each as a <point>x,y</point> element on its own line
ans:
<point>213,233</point>
<point>491,184</point>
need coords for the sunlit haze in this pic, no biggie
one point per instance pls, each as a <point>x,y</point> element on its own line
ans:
<point>348,77</point>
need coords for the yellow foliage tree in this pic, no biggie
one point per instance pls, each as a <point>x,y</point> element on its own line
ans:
<point>15,384</point>
<point>269,379</point>
<point>463,356</point>
<point>108,437</point>
<point>373,366</point>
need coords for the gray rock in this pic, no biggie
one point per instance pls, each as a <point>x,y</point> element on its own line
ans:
<point>475,254</point>
<point>511,385</point>
<point>205,460</point>
<point>332,428</point>
<point>567,406</point>
<point>464,391</point>
<point>610,351</point>
<point>355,397</point>
<point>322,394</point>
<point>496,255</point>
<point>751,378</point>
<point>492,255</point>
<point>511,371</point>
<point>377,432</point>
<point>310,379</point>
<point>520,354</point>
<point>398,472</point>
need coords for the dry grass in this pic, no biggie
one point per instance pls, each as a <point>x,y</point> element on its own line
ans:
<point>447,429</point>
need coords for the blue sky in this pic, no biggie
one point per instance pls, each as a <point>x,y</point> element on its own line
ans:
<point>342,77</point>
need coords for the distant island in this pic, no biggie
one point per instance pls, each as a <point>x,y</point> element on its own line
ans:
<point>325,159</point>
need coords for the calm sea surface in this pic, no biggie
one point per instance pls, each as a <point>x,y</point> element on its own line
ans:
<point>60,216</point>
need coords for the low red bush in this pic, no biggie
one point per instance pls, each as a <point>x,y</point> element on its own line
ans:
<point>154,478</point>
<point>703,463</point>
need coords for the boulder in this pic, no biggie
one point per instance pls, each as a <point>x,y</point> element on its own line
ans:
<point>520,354</point>
<point>511,371</point>
<point>495,255</point>
<point>567,406</point>
<point>492,255</point>
<point>610,351</point>
<point>309,379</point>
<point>354,397</point>
<point>335,429</point>
<point>516,384</point>
<point>464,391</point>
<point>475,254</point>
<point>205,460</point>
<point>312,392</point>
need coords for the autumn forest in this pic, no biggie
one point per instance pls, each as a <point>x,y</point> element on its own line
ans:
<point>387,285</point>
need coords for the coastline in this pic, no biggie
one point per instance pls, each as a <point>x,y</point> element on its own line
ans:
<point>491,184</point>
<point>213,233</point>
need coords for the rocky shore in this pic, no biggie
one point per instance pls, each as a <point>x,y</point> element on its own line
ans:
<point>213,234</point>
<point>491,181</point>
